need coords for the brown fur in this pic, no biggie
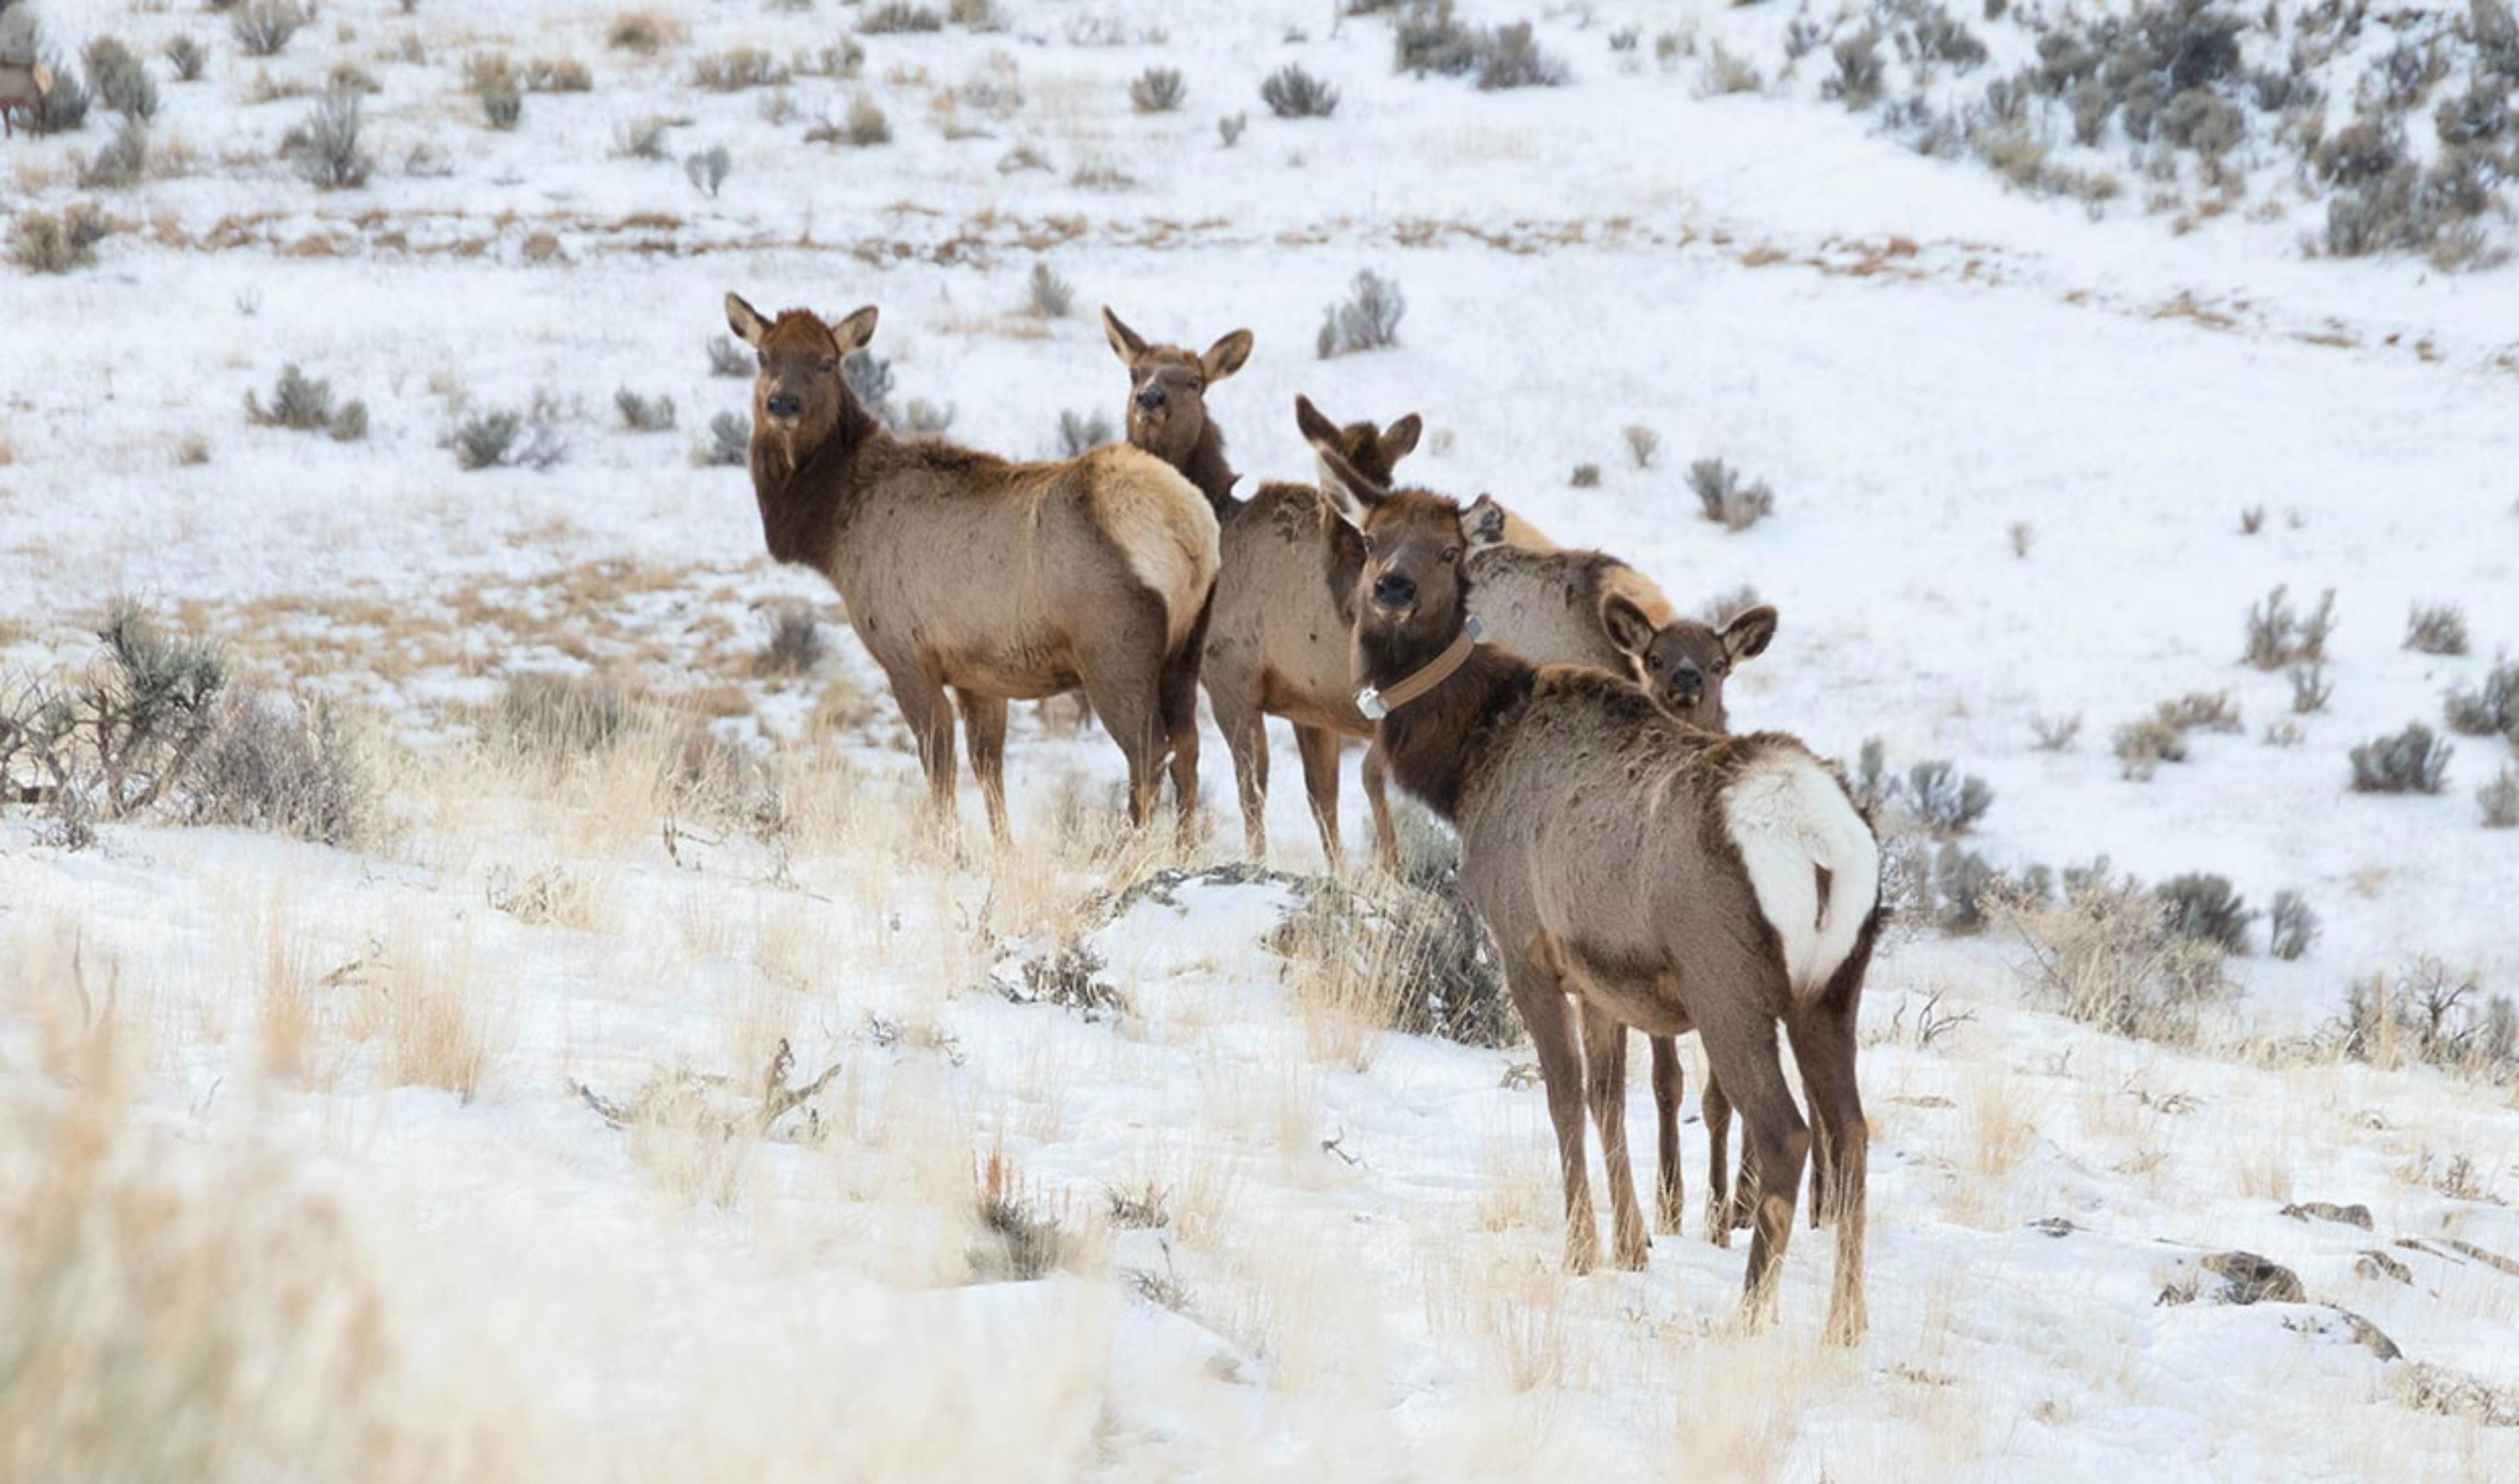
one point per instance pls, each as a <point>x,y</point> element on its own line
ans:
<point>25,87</point>
<point>994,578</point>
<point>1597,846</point>
<point>1278,642</point>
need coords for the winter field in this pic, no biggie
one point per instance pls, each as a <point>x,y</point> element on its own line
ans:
<point>533,1036</point>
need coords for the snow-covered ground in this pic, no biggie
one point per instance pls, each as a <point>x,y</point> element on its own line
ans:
<point>2011,449</point>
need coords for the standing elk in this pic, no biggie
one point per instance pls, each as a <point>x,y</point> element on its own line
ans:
<point>1667,877</point>
<point>997,580</point>
<point>1278,642</point>
<point>25,88</point>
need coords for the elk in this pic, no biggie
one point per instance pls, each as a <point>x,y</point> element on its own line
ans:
<point>996,580</point>
<point>1277,644</point>
<point>25,87</point>
<point>1681,664</point>
<point>1666,877</point>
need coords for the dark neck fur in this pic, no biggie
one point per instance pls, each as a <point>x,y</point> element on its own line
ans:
<point>804,505</point>
<point>1437,740</point>
<point>1206,468</point>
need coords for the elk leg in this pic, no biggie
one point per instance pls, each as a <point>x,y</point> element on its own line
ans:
<point>1605,1079</point>
<point>984,733</point>
<point>1669,1085</point>
<point>1246,737</point>
<point>931,722</point>
<point>1725,1207</point>
<point>1377,794</point>
<point>1177,697</point>
<point>1128,708</point>
<point>1741,1050</point>
<point>1319,746</point>
<point>1541,999</point>
<point>1824,1046</point>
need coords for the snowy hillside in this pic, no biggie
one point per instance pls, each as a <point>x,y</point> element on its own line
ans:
<point>462,1145</point>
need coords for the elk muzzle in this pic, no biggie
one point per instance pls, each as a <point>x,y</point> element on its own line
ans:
<point>783,406</point>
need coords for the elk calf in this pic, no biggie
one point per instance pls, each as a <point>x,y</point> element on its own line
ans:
<point>994,579</point>
<point>1667,877</point>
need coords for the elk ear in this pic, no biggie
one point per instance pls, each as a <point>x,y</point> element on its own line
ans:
<point>1348,492</point>
<point>745,321</point>
<point>1126,343</point>
<point>855,331</point>
<point>1225,356</point>
<point>1399,440</point>
<point>1482,523</point>
<point>1315,428</point>
<point>1626,625</point>
<point>1746,635</point>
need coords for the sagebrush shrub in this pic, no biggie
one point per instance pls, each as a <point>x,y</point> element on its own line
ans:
<point>46,244</point>
<point>736,70</point>
<point>728,445</point>
<point>1857,80</point>
<point>2292,926</point>
<point>2412,761</point>
<point>2435,629</point>
<point>643,415</point>
<point>185,56</point>
<point>1723,498</point>
<point>1511,58</point>
<point>2489,709</point>
<point>2310,687</point>
<point>2497,801</point>
<point>1943,801</point>
<point>2428,1013</point>
<point>2279,634</point>
<point>899,17</point>
<point>1158,90</point>
<point>1368,320</point>
<point>507,438</point>
<point>2107,956</point>
<point>1290,91</point>
<point>794,644</point>
<point>121,83</point>
<point>2200,904</point>
<point>324,145</point>
<point>1048,295</point>
<point>707,169</point>
<point>729,357</point>
<point>263,27</point>
<point>118,164</point>
<point>1081,431</point>
<point>275,764</point>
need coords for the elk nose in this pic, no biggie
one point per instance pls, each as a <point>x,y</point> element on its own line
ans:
<point>785,406</point>
<point>1393,591</point>
<point>1687,680</point>
<point>1151,399</point>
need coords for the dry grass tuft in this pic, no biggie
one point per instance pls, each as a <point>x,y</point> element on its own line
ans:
<point>419,1007</point>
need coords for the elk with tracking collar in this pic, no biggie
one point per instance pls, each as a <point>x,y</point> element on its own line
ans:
<point>1666,877</point>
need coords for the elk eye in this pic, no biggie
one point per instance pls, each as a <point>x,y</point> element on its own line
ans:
<point>1368,546</point>
<point>1720,666</point>
<point>831,364</point>
<point>1451,553</point>
<point>761,358</point>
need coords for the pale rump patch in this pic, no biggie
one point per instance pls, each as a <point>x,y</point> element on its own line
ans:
<point>1637,588</point>
<point>1164,526</point>
<point>1792,822</point>
<point>1524,535</point>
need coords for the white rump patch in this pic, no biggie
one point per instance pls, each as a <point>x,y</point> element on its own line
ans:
<point>1790,822</point>
<point>1164,526</point>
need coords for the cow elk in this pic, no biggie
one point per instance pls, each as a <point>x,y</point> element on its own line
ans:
<point>996,580</point>
<point>1278,641</point>
<point>25,88</point>
<point>1666,877</point>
